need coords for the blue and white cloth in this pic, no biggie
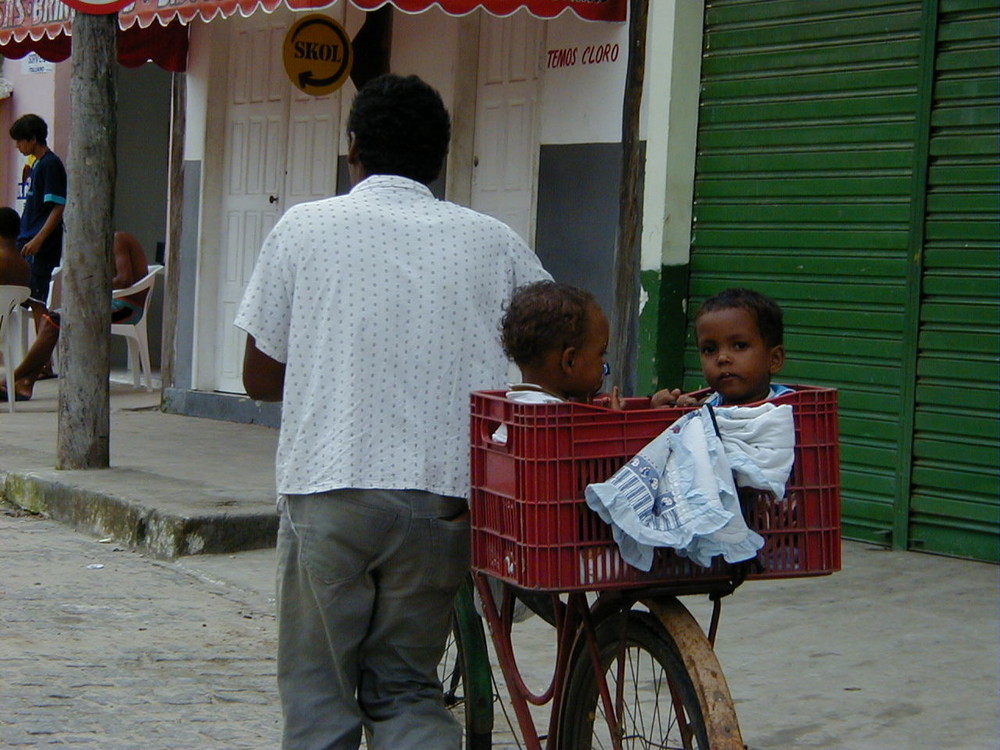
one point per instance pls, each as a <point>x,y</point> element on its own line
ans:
<point>680,490</point>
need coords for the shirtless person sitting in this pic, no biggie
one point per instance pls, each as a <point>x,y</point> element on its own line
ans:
<point>130,266</point>
<point>14,269</point>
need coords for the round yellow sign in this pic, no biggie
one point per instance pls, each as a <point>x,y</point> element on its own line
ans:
<point>317,54</point>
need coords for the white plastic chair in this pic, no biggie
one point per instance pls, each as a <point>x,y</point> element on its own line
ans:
<point>138,341</point>
<point>55,289</point>
<point>10,297</point>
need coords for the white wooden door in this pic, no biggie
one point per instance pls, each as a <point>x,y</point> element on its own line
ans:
<point>506,142</point>
<point>280,149</point>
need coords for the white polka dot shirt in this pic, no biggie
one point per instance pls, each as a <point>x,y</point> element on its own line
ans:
<point>385,306</point>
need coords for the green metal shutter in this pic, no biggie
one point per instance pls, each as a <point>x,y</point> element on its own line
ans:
<point>954,506</point>
<point>805,167</point>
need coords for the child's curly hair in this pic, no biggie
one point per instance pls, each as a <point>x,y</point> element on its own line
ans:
<point>768,313</point>
<point>544,316</point>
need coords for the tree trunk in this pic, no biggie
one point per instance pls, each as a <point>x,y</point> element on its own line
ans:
<point>624,340</point>
<point>84,408</point>
<point>175,220</point>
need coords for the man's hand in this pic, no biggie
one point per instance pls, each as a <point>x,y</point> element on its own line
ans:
<point>31,247</point>
<point>263,377</point>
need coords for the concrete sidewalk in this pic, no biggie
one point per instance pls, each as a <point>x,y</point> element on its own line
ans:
<point>177,485</point>
<point>896,652</point>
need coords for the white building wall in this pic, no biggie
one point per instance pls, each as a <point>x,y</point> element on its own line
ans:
<point>583,75</point>
<point>37,87</point>
<point>583,70</point>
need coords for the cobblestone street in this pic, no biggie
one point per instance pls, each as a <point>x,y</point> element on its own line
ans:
<point>103,648</point>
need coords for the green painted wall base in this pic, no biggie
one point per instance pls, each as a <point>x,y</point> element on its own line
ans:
<point>662,329</point>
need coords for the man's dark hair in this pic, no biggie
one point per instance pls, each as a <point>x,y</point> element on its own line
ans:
<point>544,316</point>
<point>767,312</point>
<point>10,223</point>
<point>27,127</point>
<point>401,127</point>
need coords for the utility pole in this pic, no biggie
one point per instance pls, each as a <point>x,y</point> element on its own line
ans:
<point>84,341</point>
<point>626,270</point>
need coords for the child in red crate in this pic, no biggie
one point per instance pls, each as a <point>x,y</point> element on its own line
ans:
<point>740,336</point>
<point>558,336</point>
<point>679,491</point>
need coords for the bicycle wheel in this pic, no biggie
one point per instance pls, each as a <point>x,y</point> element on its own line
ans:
<point>655,699</point>
<point>465,673</point>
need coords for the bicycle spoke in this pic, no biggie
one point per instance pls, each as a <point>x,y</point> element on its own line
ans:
<point>656,706</point>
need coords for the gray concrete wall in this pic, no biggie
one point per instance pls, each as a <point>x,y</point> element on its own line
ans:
<point>577,224</point>
<point>141,188</point>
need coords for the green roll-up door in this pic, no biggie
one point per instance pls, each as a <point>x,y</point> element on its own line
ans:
<point>806,156</point>
<point>954,505</point>
<point>848,166</point>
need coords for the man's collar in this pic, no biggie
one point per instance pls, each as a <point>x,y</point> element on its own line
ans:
<point>391,181</point>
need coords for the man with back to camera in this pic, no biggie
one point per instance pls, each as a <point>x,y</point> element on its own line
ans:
<point>40,239</point>
<point>372,316</point>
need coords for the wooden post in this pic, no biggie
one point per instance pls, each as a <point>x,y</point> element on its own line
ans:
<point>84,341</point>
<point>624,339</point>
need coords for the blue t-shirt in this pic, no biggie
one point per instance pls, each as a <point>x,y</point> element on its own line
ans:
<point>776,390</point>
<point>46,189</point>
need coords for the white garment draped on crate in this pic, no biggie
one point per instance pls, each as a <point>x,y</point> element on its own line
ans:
<point>679,491</point>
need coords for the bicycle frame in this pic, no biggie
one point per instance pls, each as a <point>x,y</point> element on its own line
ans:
<point>575,629</point>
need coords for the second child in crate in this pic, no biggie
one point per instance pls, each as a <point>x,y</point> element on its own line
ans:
<point>740,338</point>
<point>557,335</point>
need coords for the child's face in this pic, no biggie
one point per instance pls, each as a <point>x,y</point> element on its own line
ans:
<point>26,145</point>
<point>585,371</point>
<point>736,361</point>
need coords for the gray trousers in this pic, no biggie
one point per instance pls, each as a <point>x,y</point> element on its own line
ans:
<point>366,583</point>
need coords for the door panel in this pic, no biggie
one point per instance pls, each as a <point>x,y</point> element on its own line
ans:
<point>956,442</point>
<point>281,149</point>
<point>505,164</point>
<point>804,168</point>
<point>254,173</point>
<point>832,178</point>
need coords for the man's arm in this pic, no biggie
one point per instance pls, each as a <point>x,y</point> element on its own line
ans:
<point>129,260</point>
<point>263,377</point>
<point>52,221</point>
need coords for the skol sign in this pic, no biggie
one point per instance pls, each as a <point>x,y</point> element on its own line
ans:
<point>317,54</point>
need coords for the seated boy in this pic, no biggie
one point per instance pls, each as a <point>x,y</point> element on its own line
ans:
<point>14,269</point>
<point>130,266</point>
<point>740,336</point>
<point>558,336</point>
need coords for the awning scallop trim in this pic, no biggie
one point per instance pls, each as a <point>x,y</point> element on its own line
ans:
<point>24,20</point>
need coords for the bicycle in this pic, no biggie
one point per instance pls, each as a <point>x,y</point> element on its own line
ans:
<point>633,667</point>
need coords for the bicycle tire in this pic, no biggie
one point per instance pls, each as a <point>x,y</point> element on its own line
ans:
<point>465,673</point>
<point>658,703</point>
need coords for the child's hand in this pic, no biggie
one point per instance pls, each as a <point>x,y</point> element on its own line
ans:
<point>663,398</point>
<point>615,400</point>
<point>686,399</point>
<point>674,397</point>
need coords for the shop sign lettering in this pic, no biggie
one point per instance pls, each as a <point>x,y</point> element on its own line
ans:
<point>592,54</point>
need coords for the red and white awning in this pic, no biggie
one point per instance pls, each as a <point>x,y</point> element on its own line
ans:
<point>153,29</point>
<point>145,11</point>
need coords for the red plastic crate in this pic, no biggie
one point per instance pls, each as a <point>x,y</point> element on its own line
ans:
<point>531,525</point>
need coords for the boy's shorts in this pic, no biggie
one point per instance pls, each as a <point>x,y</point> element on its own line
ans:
<point>122,311</point>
